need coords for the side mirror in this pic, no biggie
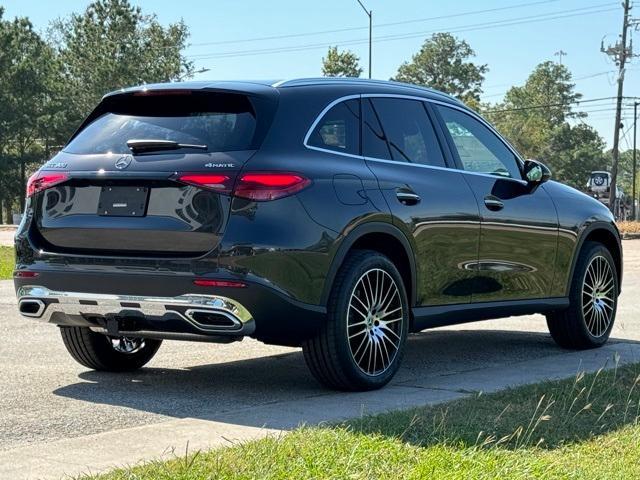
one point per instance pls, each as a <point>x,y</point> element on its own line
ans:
<point>536,173</point>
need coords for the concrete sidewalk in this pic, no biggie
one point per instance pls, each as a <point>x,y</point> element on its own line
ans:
<point>57,417</point>
<point>104,451</point>
<point>6,235</point>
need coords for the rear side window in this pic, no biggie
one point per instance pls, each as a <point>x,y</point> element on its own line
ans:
<point>409,131</point>
<point>223,122</point>
<point>339,129</point>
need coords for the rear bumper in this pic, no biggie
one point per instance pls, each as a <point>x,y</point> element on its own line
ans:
<point>208,314</point>
<point>166,306</point>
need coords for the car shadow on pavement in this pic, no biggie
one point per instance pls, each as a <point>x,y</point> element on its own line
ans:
<point>213,391</point>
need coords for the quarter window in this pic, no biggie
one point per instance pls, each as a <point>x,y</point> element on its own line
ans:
<point>339,129</point>
<point>479,149</point>
<point>408,131</point>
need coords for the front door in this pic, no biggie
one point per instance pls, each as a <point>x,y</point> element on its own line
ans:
<point>429,201</point>
<point>519,225</point>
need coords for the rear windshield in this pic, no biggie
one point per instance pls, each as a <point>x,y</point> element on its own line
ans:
<point>222,122</point>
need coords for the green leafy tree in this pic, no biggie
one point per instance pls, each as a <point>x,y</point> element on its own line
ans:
<point>113,45</point>
<point>535,119</point>
<point>444,63</point>
<point>341,64</point>
<point>530,113</point>
<point>573,152</point>
<point>27,64</point>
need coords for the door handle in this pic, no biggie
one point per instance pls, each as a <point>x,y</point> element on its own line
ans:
<point>493,203</point>
<point>407,198</point>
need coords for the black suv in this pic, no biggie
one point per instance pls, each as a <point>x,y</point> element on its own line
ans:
<point>334,214</point>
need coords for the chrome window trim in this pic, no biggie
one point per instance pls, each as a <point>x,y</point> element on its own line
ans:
<point>420,99</point>
<point>435,167</point>
<point>320,116</point>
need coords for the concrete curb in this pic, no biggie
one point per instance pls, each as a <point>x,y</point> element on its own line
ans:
<point>104,451</point>
<point>630,236</point>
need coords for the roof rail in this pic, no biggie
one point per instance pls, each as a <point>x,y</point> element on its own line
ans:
<point>362,81</point>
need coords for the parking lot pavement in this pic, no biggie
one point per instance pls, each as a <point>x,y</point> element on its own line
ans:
<point>57,417</point>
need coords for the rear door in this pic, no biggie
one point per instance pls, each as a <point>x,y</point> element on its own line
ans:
<point>151,201</point>
<point>429,201</point>
<point>519,232</point>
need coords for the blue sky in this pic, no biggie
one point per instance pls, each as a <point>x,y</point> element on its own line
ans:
<point>511,51</point>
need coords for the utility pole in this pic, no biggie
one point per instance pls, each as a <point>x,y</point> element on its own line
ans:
<point>370,15</point>
<point>620,53</point>
<point>560,54</point>
<point>635,148</point>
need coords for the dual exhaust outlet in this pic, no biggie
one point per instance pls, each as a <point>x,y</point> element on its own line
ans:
<point>208,314</point>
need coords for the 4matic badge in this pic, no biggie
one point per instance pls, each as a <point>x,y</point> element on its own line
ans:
<point>219,165</point>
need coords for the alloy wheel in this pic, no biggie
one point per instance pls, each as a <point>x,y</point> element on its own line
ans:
<point>375,317</point>
<point>598,296</point>
<point>127,345</point>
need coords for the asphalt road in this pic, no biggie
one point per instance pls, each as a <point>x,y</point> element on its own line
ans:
<point>46,396</point>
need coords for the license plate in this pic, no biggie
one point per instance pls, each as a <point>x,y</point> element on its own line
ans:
<point>123,201</point>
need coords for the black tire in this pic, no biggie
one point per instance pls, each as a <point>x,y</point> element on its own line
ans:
<point>330,355</point>
<point>570,328</point>
<point>96,351</point>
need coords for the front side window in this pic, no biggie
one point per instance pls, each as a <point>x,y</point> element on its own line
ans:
<point>479,149</point>
<point>222,122</point>
<point>409,132</point>
<point>339,129</point>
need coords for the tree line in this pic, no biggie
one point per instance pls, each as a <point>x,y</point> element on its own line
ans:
<point>50,81</point>
<point>534,117</point>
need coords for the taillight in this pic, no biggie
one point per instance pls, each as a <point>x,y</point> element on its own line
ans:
<point>257,186</point>
<point>269,185</point>
<point>40,181</point>
<point>25,274</point>
<point>219,183</point>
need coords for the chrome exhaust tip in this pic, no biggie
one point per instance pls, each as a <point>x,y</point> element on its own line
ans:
<point>213,320</point>
<point>31,307</point>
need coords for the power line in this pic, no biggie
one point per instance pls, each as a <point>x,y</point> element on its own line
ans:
<point>377,25</point>
<point>576,79</point>
<point>610,109</point>
<point>573,79</point>
<point>464,28</point>
<point>548,105</point>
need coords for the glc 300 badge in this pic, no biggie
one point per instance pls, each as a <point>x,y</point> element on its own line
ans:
<point>123,162</point>
<point>55,165</point>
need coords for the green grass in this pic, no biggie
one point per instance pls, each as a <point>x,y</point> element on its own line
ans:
<point>6,262</point>
<point>585,427</point>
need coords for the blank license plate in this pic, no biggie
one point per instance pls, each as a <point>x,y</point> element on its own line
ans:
<point>123,201</point>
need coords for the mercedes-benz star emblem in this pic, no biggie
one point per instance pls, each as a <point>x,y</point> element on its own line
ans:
<point>123,162</point>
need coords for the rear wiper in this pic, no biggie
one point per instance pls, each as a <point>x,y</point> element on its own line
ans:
<point>142,146</point>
